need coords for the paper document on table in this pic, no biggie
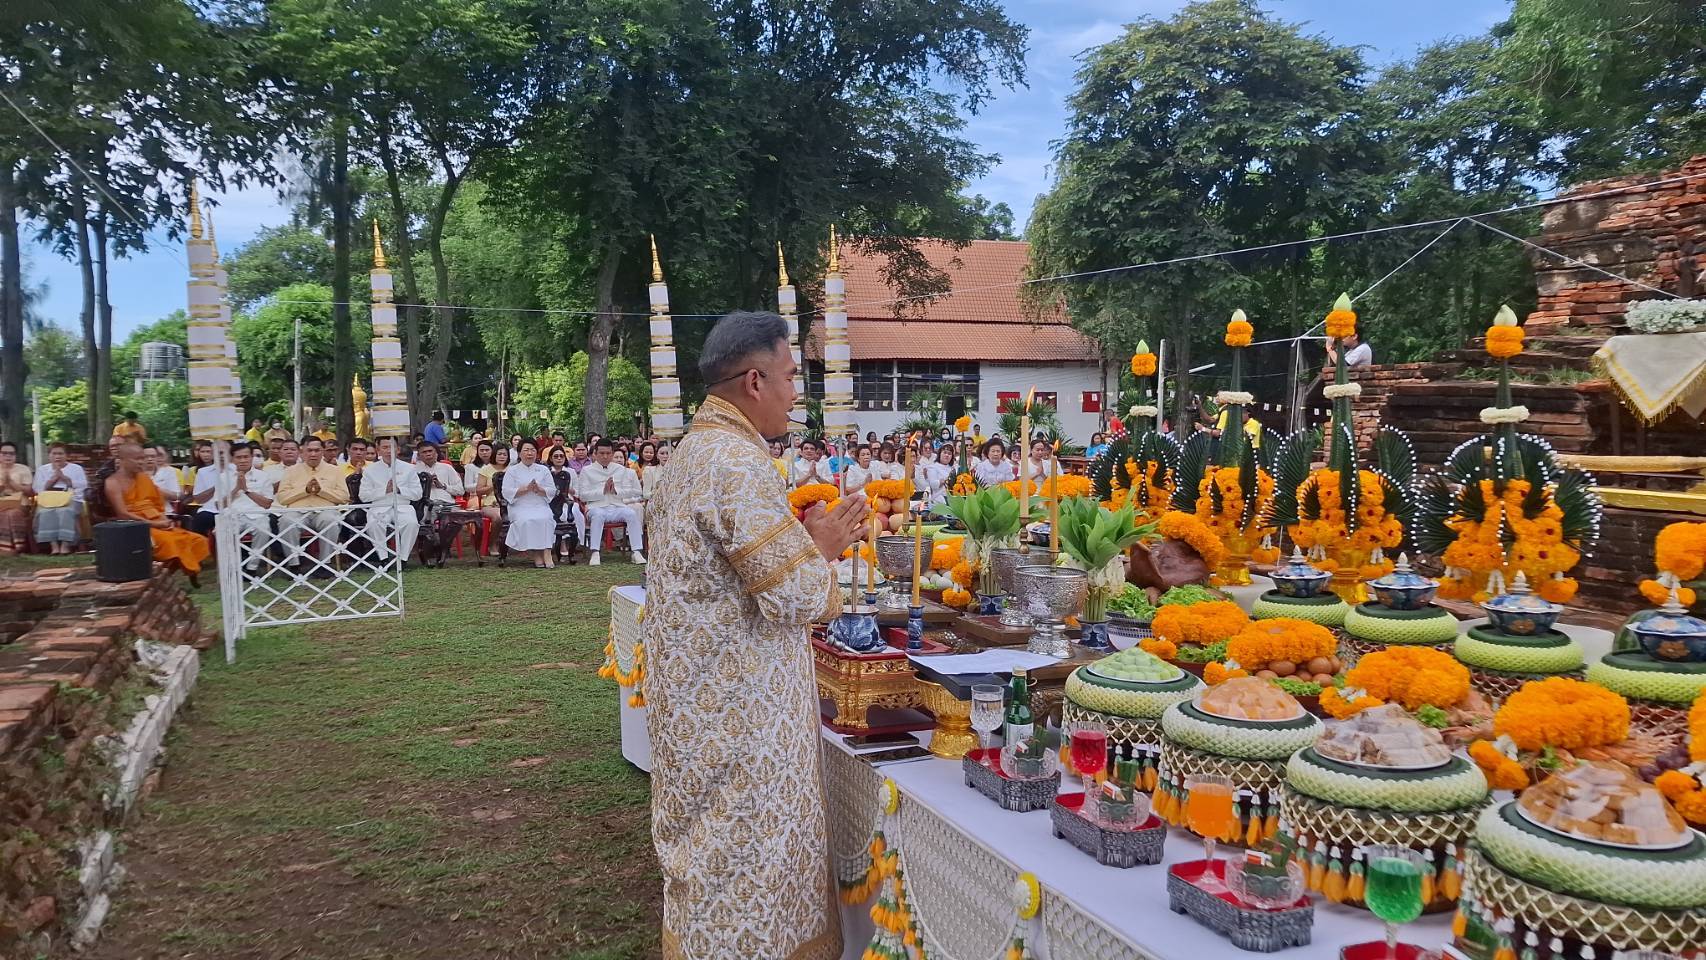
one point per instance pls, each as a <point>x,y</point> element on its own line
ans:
<point>998,660</point>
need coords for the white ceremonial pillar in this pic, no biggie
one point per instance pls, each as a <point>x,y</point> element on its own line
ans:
<point>390,413</point>
<point>838,416</point>
<point>216,406</point>
<point>667,420</point>
<point>789,308</point>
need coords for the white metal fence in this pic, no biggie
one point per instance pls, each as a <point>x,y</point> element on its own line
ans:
<point>308,566</point>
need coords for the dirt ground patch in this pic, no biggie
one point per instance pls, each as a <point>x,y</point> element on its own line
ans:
<point>401,790</point>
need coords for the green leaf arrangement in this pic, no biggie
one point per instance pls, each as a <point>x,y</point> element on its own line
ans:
<point>990,513</point>
<point>1093,535</point>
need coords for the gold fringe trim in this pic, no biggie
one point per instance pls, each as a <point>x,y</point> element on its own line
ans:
<point>1636,399</point>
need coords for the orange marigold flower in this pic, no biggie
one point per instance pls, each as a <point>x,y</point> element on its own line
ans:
<point>1562,713</point>
<point>1280,638</point>
<point>1165,649</point>
<point>1333,701</point>
<point>1412,676</point>
<point>1239,333</point>
<point>1177,525</point>
<point>1680,549</point>
<point>802,498</point>
<point>1143,365</point>
<point>1558,589</point>
<point>1504,342</point>
<point>1341,324</point>
<point>1199,623</point>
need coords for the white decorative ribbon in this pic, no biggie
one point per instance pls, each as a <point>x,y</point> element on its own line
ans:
<point>1143,410</point>
<point>1334,391</point>
<point>1230,397</point>
<point>1497,415</point>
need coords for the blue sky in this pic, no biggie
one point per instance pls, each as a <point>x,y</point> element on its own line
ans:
<point>1019,125</point>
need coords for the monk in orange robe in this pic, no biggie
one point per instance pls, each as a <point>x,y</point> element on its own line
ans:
<point>133,496</point>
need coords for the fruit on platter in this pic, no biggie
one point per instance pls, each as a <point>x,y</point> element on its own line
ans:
<point>1135,664</point>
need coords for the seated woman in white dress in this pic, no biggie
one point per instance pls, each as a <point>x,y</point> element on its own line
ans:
<point>994,467</point>
<point>529,487</point>
<point>861,472</point>
<point>1037,465</point>
<point>886,467</point>
<point>935,477</point>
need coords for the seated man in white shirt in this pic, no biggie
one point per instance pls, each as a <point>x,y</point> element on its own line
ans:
<point>811,467</point>
<point>390,487</point>
<point>442,484</point>
<point>165,476</point>
<point>249,493</point>
<point>609,491</point>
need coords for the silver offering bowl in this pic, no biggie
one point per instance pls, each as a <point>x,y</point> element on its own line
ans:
<point>1050,595</point>
<point>894,559</point>
<point>1006,560</point>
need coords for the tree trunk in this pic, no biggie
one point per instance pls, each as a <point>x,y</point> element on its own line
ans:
<point>86,270</point>
<point>343,351</point>
<point>11,313</point>
<point>598,341</point>
<point>444,328</point>
<point>1180,341</point>
<point>101,370</point>
<point>403,258</point>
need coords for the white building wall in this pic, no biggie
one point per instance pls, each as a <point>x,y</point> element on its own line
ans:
<point>1068,382</point>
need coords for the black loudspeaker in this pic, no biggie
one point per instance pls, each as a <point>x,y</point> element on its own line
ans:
<point>123,551</point>
<point>955,407</point>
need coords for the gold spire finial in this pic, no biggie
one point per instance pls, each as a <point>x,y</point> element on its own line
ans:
<point>378,248</point>
<point>834,252</point>
<point>209,217</point>
<point>195,211</point>
<point>657,268</point>
<point>781,266</point>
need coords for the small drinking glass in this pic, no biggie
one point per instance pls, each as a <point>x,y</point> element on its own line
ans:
<point>986,714</point>
<point>1208,810</point>
<point>1089,746</point>
<point>1393,890</point>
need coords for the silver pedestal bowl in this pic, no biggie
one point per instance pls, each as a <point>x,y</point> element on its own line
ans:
<point>894,559</point>
<point>1050,595</point>
<point>1006,560</point>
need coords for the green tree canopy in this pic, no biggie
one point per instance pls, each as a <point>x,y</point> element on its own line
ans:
<point>561,389</point>
<point>53,357</point>
<point>266,343</point>
<point>277,257</point>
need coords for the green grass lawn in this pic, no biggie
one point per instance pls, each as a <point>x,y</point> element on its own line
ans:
<point>444,785</point>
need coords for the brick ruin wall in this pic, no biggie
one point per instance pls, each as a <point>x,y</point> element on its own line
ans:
<point>67,681</point>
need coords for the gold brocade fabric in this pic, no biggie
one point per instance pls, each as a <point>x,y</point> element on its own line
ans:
<point>737,799</point>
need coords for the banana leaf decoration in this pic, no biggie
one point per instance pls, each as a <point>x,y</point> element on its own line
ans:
<point>1194,460</point>
<point>1290,468</point>
<point>1141,449</point>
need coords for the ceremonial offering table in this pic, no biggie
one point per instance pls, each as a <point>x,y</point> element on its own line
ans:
<point>961,855</point>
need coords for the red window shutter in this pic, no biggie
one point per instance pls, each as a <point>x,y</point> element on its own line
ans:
<point>1092,402</point>
<point>1003,396</point>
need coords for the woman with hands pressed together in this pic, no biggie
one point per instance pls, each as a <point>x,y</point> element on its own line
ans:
<point>529,487</point>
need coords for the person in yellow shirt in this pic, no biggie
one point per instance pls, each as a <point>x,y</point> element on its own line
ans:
<point>304,493</point>
<point>254,434</point>
<point>131,429</point>
<point>1252,426</point>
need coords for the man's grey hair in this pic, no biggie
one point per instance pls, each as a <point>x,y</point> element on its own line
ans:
<point>733,342</point>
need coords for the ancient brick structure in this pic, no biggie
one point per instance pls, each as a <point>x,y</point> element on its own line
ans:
<point>1656,235</point>
<point>65,674</point>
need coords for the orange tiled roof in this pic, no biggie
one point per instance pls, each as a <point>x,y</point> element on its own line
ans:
<point>957,326</point>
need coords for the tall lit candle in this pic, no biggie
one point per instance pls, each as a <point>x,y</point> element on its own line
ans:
<point>918,527</point>
<point>871,568</point>
<point>1024,462</point>
<point>1054,503</point>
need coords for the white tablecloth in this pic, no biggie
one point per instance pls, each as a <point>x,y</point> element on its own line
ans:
<point>961,854</point>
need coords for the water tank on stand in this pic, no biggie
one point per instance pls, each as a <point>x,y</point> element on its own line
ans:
<point>159,361</point>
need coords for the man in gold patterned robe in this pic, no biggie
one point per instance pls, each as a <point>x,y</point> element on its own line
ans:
<point>734,584</point>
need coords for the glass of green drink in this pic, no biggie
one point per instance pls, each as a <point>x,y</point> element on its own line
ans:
<point>1394,888</point>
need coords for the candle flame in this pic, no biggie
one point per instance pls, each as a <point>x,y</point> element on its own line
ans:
<point>1028,395</point>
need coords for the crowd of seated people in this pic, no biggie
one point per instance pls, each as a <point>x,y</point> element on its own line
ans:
<point>542,498</point>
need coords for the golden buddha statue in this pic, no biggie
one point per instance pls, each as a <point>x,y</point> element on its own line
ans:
<point>363,421</point>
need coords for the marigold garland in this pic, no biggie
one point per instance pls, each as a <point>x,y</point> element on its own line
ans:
<point>962,425</point>
<point>1564,714</point>
<point>802,498</point>
<point>1684,789</point>
<point>886,490</point>
<point>1066,485</point>
<point>962,574</point>
<point>1413,677</point>
<point>1376,526</point>
<point>946,554</point>
<point>1537,548</point>
<point>1341,323</point>
<point>1680,549</point>
<point>1165,649</point>
<point>1239,332</point>
<point>1143,364</point>
<point>1339,706</point>
<point>1178,525</point>
<point>1504,342</point>
<point>1198,623</point>
<point>957,598</point>
<point>1503,773</point>
<point>1280,638</point>
<point>1217,673</point>
<point>964,484</point>
<point>1228,522</point>
<point>1150,507</point>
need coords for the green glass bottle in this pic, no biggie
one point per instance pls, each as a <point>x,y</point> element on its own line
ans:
<point>1019,723</point>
